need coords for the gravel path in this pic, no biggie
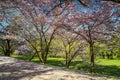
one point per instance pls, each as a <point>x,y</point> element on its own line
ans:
<point>14,69</point>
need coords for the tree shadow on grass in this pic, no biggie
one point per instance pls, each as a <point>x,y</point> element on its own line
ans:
<point>56,63</point>
<point>111,71</point>
<point>23,57</point>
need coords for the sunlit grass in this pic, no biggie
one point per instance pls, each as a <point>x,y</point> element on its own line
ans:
<point>108,62</point>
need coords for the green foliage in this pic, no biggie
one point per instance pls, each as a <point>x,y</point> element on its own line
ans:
<point>1,54</point>
<point>107,49</point>
<point>56,48</point>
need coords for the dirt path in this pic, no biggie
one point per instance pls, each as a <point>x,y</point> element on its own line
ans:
<point>14,69</point>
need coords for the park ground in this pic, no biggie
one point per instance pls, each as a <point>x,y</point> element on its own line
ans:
<point>17,69</point>
<point>14,69</point>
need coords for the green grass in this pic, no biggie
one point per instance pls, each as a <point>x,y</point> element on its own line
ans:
<point>106,67</point>
<point>108,62</point>
<point>58,62</point>
<point>20,57</point>
<point>1,54</point>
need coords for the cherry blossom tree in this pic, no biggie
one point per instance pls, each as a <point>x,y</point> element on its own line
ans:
<point>9,40</point>
<point>92,25</point>
<point>72,45</point>
<point>39,32</point>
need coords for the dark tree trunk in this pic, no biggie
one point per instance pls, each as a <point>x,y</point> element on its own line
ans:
<point>32,56</point>
<point>111,55</point>
<point>92,66</point>
<point>42,58</point>
<point>8,48</point>
<point>108,56</point>
<point>103,55</point>
<point>68,63</point>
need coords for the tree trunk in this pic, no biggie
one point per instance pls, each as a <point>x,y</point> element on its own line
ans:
<point>103,55</point>
<point>7,52</point>
<point>108,56</point>
<point>32,56</point>
<point>67,65</point>
<point>92,66</point>
<point>42,58</point>
<point>45,58</point>
<point>46,53</point>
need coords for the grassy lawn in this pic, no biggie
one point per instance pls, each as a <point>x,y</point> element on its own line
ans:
<point>106,67</point>
<point>1,54</point>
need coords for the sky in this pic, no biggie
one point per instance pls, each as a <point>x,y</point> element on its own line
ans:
<point>5,23</point>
